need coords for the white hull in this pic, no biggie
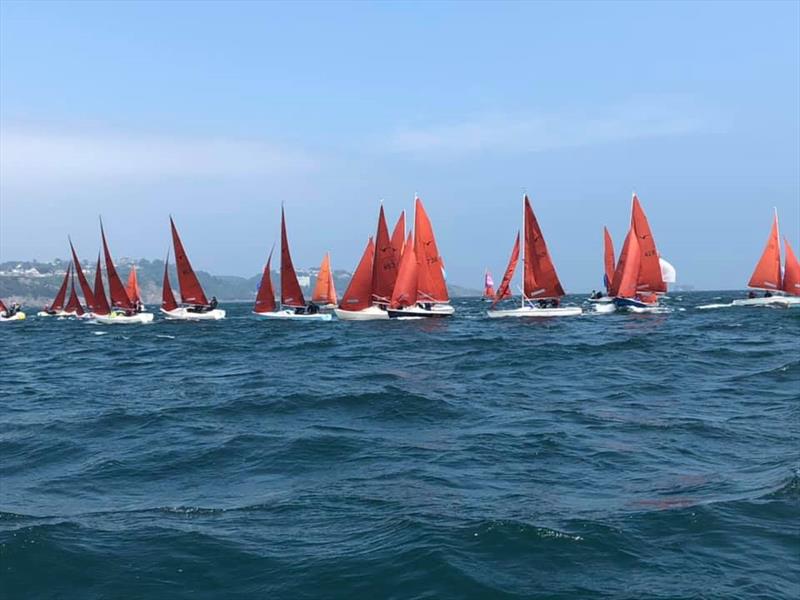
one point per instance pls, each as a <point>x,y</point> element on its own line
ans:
<point>779,301</point>
<point>373,313</point>
<point>536,312</point>
<point>20,316</point>
<point>605,308</point>
<point>116,318</point>
<point>289,314</point>
<point>420,312</point>
<point>184,314</point>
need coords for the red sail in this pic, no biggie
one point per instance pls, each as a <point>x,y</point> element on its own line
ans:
<point>324,290</point>
<point>431,286</point>
<point>626,275</point>
<point>608,258</point>
<point>358,294</point>
<point>101,306</point>
<point>405,289</point>
<point>399,236</point>
<point>291,292</point>
<point>119,297</point>
<point>768,270</point>
<point>61,296</point>
<point>541,280</point>
<point>385,264</point>
<point>74,304</point>
<point>167,297</point>
<point>265,298</point>
<point>132,287</point>
<point>191,290</point>
<point>3,307</point>
<point>650,278</point>
<point>791,273</point>
<point>88,295</point>
<point>504,291</point>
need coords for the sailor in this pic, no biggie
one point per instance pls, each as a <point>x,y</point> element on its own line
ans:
<point>767,294</point>
<point>312,308</point>
<point>213,304</point>
<point>11,310</point>
<point>751,294</point>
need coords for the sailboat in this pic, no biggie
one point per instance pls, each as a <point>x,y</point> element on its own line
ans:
<point>10,314</point>
<point>641,274</point>
<point>132,288</point>
<point>541,288</point>
<point>370,290</point>
<point>488,286</point>
<point>123,309</point>
<point>56,308</point>
<point>780,289</point>
<point>324,294</point>
<point>73,307</point>
<point>194,304</point>
<point>604,302</point>
<point>293,304</point>
<point>432,297</point>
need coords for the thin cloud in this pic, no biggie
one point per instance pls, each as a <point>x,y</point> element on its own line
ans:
<point>35,157</point>
<point>537,133</point>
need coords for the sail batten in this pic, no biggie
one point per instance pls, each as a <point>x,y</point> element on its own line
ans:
<point>190,288</point>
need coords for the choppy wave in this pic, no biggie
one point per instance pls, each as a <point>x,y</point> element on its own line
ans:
<point>630,456</point>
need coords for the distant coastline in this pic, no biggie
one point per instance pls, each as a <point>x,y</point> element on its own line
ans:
<point>34,283</point>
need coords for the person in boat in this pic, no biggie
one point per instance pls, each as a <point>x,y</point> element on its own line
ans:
<point>300,310</point>
<point>596,295</point>
<point>312,308</point>
<point>751,294</point>
<point>767,294</point>
<point>49,311</point>
<point>11,310</point>
<point>213,304</point>
<point>555,302</point>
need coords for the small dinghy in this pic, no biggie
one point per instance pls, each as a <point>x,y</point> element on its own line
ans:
<point>293,305</point>
<point>10,314</point>
<point>195,306</point>
<point>122,310</point>
<point>641,274</point>
<point>56,308</point>
<point>604,303</point>
<point>780,290</point>
<point>541,288</point>
<point>324,294</point>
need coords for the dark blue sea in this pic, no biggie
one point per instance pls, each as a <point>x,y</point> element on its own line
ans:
<point>605,456</point>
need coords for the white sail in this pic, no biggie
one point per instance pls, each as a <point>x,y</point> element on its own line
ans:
<point>667,271</point>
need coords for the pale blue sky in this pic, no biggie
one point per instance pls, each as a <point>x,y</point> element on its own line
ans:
<point>218,112</point>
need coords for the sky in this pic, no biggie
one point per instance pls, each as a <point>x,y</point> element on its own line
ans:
<point>216,113</point>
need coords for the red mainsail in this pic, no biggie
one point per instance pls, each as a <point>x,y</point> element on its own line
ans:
<point>623,283</point>
<point>291,292</point>
<point>324,290</point>
<point>405,291</point>
<point>61,296</point>
<point>504,291</point>
<point>431,286</point>
<point>119,297</point>
<point>358,294</point>
<point>132,287</point>
<point>74,304</point>
<point>167,297</point>
<point>608,258</point>
<point>265,297</point>
<point>767,274</point>
<point>791,272</point>
<point>101,306</point>
<point>191,290</point>
<point>650,278</point>
<point>88,295</point>
<point>541,280</point>
<point>385,263</point>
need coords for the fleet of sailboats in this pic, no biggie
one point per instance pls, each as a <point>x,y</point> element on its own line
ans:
<point>401,276</point>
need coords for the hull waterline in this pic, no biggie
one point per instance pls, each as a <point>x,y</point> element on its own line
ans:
<point>184,314</point>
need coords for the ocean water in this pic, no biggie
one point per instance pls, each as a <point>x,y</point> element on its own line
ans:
<point>606,456</point>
